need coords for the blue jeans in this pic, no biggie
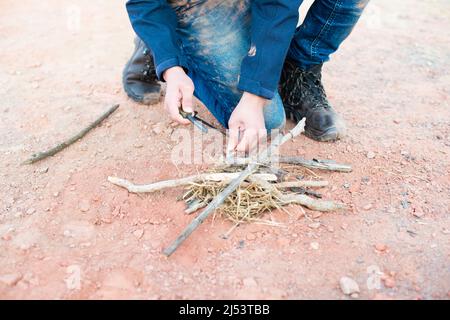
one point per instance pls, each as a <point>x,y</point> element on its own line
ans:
<point>215,36</point>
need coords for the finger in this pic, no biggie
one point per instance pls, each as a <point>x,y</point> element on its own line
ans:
<point>175,115</point>
<point>233,139</point>
<point>252,147</point>
<point>187,94</point>
<point>261,142</point>
<point>257,143</point>
<point>172,104</point>
<point>249,137</point>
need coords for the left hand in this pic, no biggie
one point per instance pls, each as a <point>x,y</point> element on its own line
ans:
<point>179,93</point>
<point>246,124</point>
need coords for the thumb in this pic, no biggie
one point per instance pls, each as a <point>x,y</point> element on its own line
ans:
<point>233,140</point>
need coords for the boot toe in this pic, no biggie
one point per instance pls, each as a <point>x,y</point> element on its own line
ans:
<point>324,125</point>
<point>143,92</point>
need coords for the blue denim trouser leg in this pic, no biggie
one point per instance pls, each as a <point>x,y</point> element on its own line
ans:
<point>215,37</point>
<point>327,24</point>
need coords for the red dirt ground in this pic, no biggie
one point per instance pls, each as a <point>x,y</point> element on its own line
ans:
<point>60,218</point>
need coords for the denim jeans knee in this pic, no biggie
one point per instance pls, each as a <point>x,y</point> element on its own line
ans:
<point>274,115</point>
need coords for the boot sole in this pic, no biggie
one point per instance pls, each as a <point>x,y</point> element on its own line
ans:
<point>330,135</point>
<point>148,99</point>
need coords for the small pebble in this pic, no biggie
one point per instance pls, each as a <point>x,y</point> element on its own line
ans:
<point>418,213</point>
<point>348,286</point>
<point>10,279</point>
<point>314,245</point>
<point>381,247</point>
<point>138,233</point>
<point>42,170</point>
<point>315,225</point>
<point>389,282</point>
<point>84,205</point>
<point>7,237</point>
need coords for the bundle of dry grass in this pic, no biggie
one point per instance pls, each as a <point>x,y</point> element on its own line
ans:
<point>248,203</point>
<point>255,196</point>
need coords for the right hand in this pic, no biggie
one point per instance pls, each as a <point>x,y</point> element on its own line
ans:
<point>247,127</point>
<point>179,93</point>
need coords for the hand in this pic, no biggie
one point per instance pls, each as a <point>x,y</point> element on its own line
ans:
<point>246,123</point>
<point>179,93</point>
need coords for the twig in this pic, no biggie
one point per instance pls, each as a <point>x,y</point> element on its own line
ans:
<point>317,164</point>
<point>51,152</point>
<point>310,203</point>
<point>221,197</point>
<point>301,183</point>
<point>212,206</point>
<point>195,205</point>
<point>311,164</point>
<point>228,233</point>
<point>308,192</point>
<point>313,204</point>
<point>157,186</point>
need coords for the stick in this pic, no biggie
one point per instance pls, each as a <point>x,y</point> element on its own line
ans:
<point>306,191</point>
<point>301,183</point>
<point>311,164</point>
<point>313,204</point>
<point>212,206</point>
<point>310,203</point>
<point>195,205</point>
<point>51,152</point>
<point>221,197</point>
<point>317,164</point>
<point>157,186</point>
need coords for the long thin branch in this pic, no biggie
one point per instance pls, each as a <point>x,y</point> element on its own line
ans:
<point>160,185</point>
<point>301,183</point>
<point>51,152</point>
<point>221,197</point>
<point>313,204</point>
<point>317,164</point>
<point>311,164</point>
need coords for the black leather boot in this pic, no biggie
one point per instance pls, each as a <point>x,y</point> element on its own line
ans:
<point>139,76</point>
<point>303,96</point>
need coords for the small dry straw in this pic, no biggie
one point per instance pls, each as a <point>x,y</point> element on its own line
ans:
<point>248,203</point>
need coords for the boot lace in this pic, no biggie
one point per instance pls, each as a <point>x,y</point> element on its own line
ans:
<point>307,88</point>
<point>149,72</point>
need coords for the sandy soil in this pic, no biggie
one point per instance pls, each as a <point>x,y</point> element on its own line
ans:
<point>61,221</point>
